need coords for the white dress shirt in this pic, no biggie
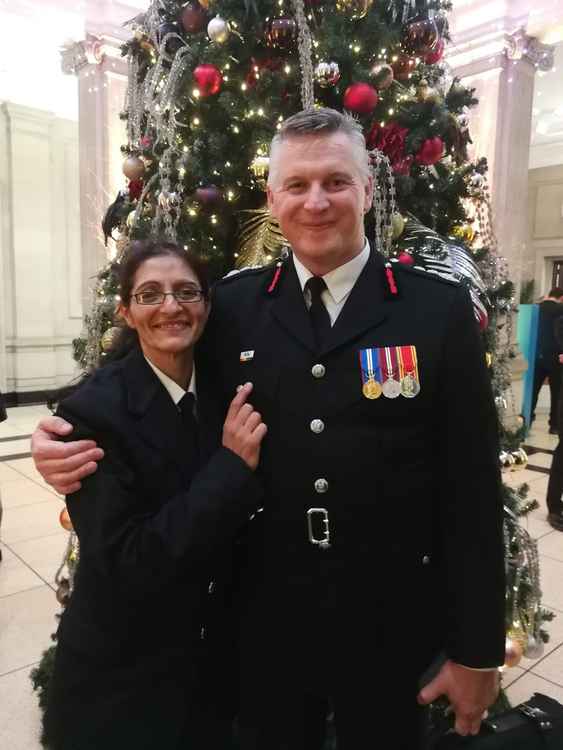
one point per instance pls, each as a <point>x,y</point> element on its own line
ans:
<point>339,282</point>
<point>175,391</point>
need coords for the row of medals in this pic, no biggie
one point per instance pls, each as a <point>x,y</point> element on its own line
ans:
<point>409,387</point>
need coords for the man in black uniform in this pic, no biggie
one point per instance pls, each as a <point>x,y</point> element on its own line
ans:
<point>379,545</point>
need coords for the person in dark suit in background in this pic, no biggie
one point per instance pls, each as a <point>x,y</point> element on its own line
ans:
<point>380,540</point>
<point>131,657</point>
<point>547,355</point>
<point>555,485</point>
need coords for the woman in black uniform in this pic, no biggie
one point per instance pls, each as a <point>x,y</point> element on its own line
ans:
<point>152,527</point>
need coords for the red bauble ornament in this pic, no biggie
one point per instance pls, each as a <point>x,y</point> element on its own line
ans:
<point>431,151</point>
<point>281,33</point>
<point>406,259</point>
<point>436,54</point>
<point>135,189</point>
<point>403,67</point>
<point>361,98</point>
<point>421,37</point>
<point>194,18</point>
<point>483,320</point>
<point>208,79</point>
<point>209,197</point>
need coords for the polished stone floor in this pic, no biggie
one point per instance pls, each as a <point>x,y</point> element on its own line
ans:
<point>33,544</point>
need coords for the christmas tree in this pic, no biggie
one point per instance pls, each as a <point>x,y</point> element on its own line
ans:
<point>209,84</point>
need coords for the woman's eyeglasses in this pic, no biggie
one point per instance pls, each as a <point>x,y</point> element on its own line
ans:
<point>182,296</point>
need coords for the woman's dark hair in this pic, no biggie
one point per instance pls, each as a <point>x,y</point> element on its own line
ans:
<point>138,252</point>
<point>127,340</point>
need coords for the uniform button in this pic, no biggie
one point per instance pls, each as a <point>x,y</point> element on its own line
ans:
<point>426,560</point>
<point>317,426</point>
<point>318,371</point>
<point>321,485</point>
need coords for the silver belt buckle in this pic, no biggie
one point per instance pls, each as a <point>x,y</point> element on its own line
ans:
<point>323,543</point>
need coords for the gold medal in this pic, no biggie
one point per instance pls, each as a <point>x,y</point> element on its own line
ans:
<point>371,389</point>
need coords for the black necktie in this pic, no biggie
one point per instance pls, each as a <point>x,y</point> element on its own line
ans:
<point>186,407</point>
<point>320,318</point>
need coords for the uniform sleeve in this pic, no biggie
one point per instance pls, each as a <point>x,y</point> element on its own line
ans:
<point>471,510</point>
<point>141,549</point>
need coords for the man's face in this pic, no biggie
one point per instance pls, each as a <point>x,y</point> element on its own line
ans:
<point>319,196</point>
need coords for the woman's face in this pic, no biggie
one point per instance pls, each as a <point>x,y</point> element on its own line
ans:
<point>169,328</point>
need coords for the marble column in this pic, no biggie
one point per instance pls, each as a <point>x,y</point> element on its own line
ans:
<point>502,71</point>
<point>102,83</point>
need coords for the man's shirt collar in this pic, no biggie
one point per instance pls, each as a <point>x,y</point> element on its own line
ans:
<point>341,280</point>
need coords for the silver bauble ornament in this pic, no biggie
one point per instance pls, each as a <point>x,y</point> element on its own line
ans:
<point>168,201</point>
<point>383,76</point>
<point>327,74</point>
<point>506,461</point>
<point>535,648</point>
<point>218,30</point>
<point>520,459</point>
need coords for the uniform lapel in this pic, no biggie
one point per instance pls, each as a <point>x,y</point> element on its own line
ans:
<point>156,418</point>
<point>290,310</point>
<point>365,308</point>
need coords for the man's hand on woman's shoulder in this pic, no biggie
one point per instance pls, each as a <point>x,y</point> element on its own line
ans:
<point>63,465</point>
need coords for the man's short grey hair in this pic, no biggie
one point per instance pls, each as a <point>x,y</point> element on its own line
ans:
<point>322,121</point>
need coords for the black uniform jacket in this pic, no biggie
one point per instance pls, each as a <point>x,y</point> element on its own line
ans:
<point>151,528</point>
<point>411,486</point>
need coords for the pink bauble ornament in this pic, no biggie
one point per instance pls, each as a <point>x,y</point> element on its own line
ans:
<point>134,168</point>
<point>421,37</point>
<point>361,98</point>
<point>431,151</point>
<point>435,54</point>
<point>403,67</point>
<point>194,18</point>
<point>209,197</point>
<point>281,33</point>
<point>208,79</point>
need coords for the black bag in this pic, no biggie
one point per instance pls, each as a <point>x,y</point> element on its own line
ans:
<point>536,724</point>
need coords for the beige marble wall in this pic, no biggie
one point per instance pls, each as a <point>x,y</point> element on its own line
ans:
<point>545,224</point>
<point>39,248</point>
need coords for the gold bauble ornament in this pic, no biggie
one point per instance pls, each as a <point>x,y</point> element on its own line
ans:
<point>520,459</point>
<point>260,168</point>
<point>109,338</point>
<point>205,4</point>
<point>355,8</point>
<point>133,168</point>
<point>64,520</point>
<point>513,651</point>
<point>397,225</point>
<point>464,232</point>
